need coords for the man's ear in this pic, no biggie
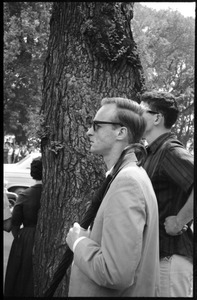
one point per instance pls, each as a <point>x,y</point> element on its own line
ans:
<point>122,133</point>
<point>158,119</point>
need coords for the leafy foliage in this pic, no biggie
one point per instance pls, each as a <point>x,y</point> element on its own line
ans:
<point>26,30</point>
<point>165,40</point>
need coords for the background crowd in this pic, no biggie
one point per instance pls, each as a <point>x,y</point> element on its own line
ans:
<point>14,152</point>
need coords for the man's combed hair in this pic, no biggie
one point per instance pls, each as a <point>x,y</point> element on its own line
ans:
<point>36,168</point>
<point>164,103</point>
<point>130,114</point>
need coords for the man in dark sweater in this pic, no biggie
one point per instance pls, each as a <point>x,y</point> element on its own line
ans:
<point>171,169</point>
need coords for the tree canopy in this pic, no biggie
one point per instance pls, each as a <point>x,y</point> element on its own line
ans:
<point>26,30</point>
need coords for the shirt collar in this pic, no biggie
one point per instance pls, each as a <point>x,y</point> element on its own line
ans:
<point>109,171</point>
<point>159,141</point>
<point>130,157</point>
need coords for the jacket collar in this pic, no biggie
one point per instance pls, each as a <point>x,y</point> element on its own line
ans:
<point>129,157</point>
<point>152,148</point>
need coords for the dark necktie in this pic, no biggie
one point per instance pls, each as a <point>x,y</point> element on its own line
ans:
<point>148,149</point>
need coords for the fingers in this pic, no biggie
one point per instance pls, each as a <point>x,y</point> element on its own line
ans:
<point>183,229</point>
<point>172,232</point>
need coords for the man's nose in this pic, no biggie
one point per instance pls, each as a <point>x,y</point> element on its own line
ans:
<point>90,131</point>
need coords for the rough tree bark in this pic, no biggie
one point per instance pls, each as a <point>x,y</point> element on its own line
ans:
<point>91,55</point>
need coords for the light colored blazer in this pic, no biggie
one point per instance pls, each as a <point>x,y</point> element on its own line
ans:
<point>121,257</point>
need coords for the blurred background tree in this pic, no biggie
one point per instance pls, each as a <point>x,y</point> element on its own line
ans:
<point>26,31</point>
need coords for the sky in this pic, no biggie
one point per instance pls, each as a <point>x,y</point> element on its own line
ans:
<point>185,8</point>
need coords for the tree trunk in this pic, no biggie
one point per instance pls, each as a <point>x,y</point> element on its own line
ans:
<point>91,55</point>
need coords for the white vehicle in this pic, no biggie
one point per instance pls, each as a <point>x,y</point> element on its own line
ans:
<point>12,197</point>
<point>17,176</point>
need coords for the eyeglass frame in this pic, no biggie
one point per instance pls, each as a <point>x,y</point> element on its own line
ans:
<point>152,112</point>
<point>94,123</point>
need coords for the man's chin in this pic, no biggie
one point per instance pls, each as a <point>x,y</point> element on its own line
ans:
<point>145,136</point>
<point>93,150</point>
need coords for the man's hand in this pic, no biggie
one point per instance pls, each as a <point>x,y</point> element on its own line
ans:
<point>173,226</point>
<point>74,233</point>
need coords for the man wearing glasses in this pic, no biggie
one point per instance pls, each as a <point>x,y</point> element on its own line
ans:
<point>120,255</point>
<point>171,170</point>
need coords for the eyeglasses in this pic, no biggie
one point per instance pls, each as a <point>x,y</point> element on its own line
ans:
<point>152,112</point>
<point>95,123</point>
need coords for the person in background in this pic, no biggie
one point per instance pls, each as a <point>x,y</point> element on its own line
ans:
<point>171,169</point>
<point>23,152</point>
<point>16,153</point>
<point>119,257</point>
<point>19,280</point>
<point>5,154</point>
<point>19,153</point>
<point>10,154</point>
<point>34,149</point>
<point>7,215</point>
